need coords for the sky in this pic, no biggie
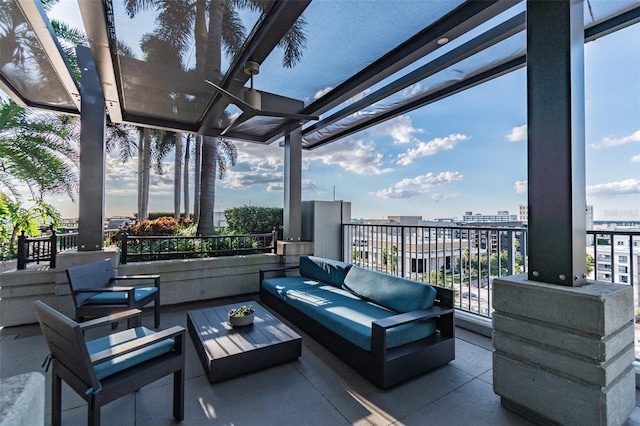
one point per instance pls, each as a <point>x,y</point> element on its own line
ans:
<point>467,152</point>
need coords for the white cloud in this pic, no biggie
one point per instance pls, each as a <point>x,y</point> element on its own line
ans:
<point>307,185</point>
<point>355,156</point>
<point>521,186</point>
<point>609,141</point>
<point>411,187</point>
<point>623,187</point>
<point>432,147</point>
<point>400,129</point>
<point>635,159</point>
<point>320,93</point>
<point>439,197</point>
<point>517,134</point>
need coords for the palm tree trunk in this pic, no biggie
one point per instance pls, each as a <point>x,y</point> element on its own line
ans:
<point>207,186</point>
<point>185,177</point>
<point>144,170</point>
<point>177,177</point>
<point>213,59</point>
<point>196,180</point>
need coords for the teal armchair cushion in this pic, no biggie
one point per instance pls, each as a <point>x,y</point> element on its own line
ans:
<point>395,293</point>
<point>119,297</point>
<point>123,362</point>
<point>324,270</point>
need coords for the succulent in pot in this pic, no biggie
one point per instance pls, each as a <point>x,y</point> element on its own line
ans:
<point>241,316</point>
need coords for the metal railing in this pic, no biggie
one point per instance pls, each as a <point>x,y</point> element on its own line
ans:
<point>614,254</point>
<point>465,259</point>
<point>146,248</point>
<point>44,248</point>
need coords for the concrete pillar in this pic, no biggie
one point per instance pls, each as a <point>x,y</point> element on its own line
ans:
<point>92,154</point>
<point>564,355</point>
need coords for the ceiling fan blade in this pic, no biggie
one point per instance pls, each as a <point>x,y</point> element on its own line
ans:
<point>240,103</point>
<point>238,120</point>
<point>292,116</point>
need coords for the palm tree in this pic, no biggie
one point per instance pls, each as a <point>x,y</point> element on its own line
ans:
<point>177,177</point>
<point>38,150</point>
<point>224,30</point>
<point>185,175</point>
<point>224,152</point>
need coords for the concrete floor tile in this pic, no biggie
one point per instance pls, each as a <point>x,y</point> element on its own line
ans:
<point>471,404</point>
<point>472,359</point>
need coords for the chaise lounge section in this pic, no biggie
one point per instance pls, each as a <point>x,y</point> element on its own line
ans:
<point>388,328</point>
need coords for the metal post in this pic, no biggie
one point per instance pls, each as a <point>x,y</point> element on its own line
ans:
<point>123,249</point>
<point>22,251</point>
<point>54,248</point>
<point>293,185</point>
<point>556,141</point>
<point>92,154</point>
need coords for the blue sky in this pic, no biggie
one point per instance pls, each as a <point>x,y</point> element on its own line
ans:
<point>465,153</point>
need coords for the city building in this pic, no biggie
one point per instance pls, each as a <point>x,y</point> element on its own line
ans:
<point>501,216</point>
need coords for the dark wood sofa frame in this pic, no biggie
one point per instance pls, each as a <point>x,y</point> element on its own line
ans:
<point>383,367</point>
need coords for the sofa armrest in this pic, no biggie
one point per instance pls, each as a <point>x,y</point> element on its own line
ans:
<point>422,314</point>
<point>277,269</point>
<point>379,328</point>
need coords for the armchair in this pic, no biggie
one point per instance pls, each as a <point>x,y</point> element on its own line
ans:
<point>95,294</point>
<point>105,369</point>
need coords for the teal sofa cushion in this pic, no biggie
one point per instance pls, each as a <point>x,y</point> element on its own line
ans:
<point>395,293</point>
<point>343,312</point>
<point>324,270</point>
<point>119,297</point>
<point>123,362</point>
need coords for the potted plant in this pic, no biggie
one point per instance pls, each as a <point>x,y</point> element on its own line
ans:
<point>241,316</point>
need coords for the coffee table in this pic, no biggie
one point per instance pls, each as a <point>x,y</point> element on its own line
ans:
<point>227,352</point>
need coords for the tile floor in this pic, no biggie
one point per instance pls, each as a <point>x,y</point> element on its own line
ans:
<point>317,389</point>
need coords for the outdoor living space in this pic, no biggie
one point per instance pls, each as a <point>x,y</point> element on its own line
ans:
<point>317,388</point>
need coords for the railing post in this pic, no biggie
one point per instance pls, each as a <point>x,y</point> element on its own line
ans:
<point>22,251</point>
<point>274,238</point>
<point>53,250</point>
<point>123,248</point>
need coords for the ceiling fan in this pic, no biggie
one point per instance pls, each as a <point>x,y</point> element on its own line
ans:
<point>251,105</point>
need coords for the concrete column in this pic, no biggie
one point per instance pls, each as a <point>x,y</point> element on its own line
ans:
<point>564,355</point>
<point>564,346</point>
<point>92,152</point>
<point>293,185</point>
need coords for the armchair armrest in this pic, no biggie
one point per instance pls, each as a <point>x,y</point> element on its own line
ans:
<point>155,278</point>
<point>136,344</point>
<point>109,319</point>
<point>104,289</point>
<point>276,269</point>
<point>130,292</point>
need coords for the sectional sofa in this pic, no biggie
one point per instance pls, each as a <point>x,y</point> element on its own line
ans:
<point>388,328</point>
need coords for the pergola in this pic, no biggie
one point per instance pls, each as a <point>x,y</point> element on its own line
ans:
<point>353,73</point>
<point>358,61</point>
